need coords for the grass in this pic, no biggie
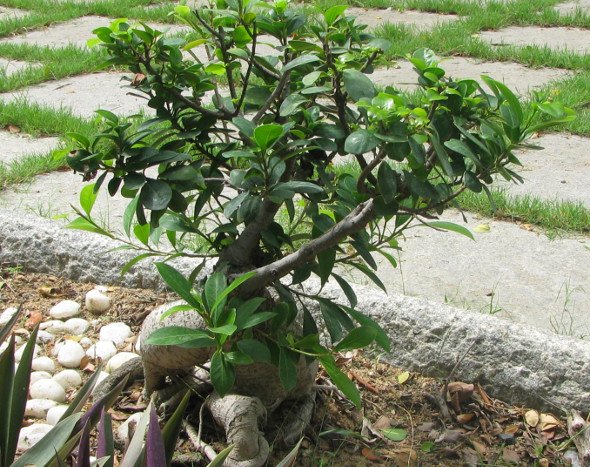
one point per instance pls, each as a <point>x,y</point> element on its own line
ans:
<point>448,38</point>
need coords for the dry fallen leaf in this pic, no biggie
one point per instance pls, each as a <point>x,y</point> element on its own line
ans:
<point>34,318</point>
<point>532,418</point>
<point>47,291</point>
<point>403,377</point>
<point>482,228</point>
<point>465,417</point>
<point>547,422</point>
<point>84,362</point>
<point>13,129</point>
<point>369,454</point>
<point>511,456</point>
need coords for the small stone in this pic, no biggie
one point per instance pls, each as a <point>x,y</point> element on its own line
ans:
<point>86,342</point>
<point>97,302</point>
<point>65,309</point>
<point>54,326</point>
<point>38,408</point>
<point>7,314</point>
<point>68,379</point>
<point>56,348</point>
<point>76,326</point>
<point>19,353</point>
<point>48,389</point>
<point>38,375</point>
<point>55,413</point>
<point>3,346</point>
<point>31,435</point>
<point>70,354</point>
<point>101,288</point>
<point>115,332</point>
<point>43,364</point>
<point>119,359</point>
<point>44,337</point>
<point>103,350</point>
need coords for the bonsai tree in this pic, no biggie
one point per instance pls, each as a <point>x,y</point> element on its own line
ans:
<point>254,112</point>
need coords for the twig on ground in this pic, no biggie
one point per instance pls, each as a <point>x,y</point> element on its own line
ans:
<point>195,437</point>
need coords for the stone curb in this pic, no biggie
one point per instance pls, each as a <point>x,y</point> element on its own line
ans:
<point>516,363</point>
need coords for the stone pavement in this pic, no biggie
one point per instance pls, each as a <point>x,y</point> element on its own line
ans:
<point>518,273</point>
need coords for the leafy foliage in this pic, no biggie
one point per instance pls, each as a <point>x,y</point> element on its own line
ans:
<point>252,109</point>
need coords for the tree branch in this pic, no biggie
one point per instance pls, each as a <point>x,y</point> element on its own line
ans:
<point>356,220</point>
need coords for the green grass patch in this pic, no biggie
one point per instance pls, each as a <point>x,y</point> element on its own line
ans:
<point>23,170</point>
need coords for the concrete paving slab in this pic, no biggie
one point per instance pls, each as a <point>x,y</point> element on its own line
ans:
<point>8,67</point>
<point>560,171</point>
<point>15,146</point>
<point>75,32</point>
<point>422,20</point>
<point>516,273</point>
<point>11,13</point>
<point>84,94</point>
<point>569,8</point>
<point>516,76</point>
<point>560,38</point>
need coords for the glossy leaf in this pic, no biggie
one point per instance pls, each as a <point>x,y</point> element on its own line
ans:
<point>222,374</point>
<point>358,85</point>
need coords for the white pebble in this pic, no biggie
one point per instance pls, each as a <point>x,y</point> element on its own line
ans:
<point>3,346</point>
<point>56,348</point>
<point>19,353</point>
<point>43,364</point>
<point>65,309</point>
<point>6,315</point>
<point>55,413</point>
<point>97,302</point>
<point>37,375</point>
<point>76,326</point>
<point>54,326</point>
<point>103,350</point>
<point>115,332</point>
<point>119,359</point>
<point>86,342</point>
<point>38,408</point>
<point>48,389</point>
<point>101,288</point>
<point>44,337</point>
<point>70,354</point>
<point>31,435</point>
<point>68,379</point>
<point>137,346</point>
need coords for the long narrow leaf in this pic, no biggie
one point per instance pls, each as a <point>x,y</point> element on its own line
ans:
<point>83,456</point>
<point>18,396</point>
<point>155,453</point>
<point>106,445</point>
<point>177,283</point>
<point>172,427</point>
<point>44,451</point>
<point>5,331</point>
<point>231,287</point>
<point>220,458</point>
<point>82,395</point>
<point>135,449</point>
<point>7,377</point>
<point>289,459</point>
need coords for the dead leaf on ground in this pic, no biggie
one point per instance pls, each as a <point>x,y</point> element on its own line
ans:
<point>450,436</point>
<point>508,455</point>
<point>547,422</point>
<point>34,318</point>
<point>370,454</point>
<point>14,129</point>
<point>48,291</point>
<point>403,377</point>
<point>382,422</point>
<point>465,417</point>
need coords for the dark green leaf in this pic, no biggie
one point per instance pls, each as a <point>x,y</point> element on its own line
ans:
<point>358,85</point>
<point>347,289</point>
<point>172,427</point>
<point>333,13</point>
<point>341,380</point>
<point>360,142</point>
<point>357,338</point>
<point>266,135</point>
<point>290,105</point>
<point>257,318</point>
<point>300,61</point>
<point>326,261</point>
<point>175,335</point>
<point>222,374</point>
<point>257,350</point>
<point>288,368</point>
<point>155,195</point>
<point>177,283</point>
<point>387,181</point>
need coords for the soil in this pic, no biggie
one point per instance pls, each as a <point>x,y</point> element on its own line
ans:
<point>402,421</point>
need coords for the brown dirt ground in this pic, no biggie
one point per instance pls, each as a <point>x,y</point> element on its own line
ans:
<point>477,431</point>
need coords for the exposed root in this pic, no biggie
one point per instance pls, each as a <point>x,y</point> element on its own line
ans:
<point>296,419</point>
<point>241,418</point>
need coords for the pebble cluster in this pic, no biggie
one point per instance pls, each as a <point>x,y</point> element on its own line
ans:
<point>64,349</point>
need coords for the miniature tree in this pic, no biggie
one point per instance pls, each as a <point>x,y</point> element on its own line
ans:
<point>254,111</point>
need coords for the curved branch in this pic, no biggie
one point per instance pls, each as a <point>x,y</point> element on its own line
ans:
<point>356,220</point>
